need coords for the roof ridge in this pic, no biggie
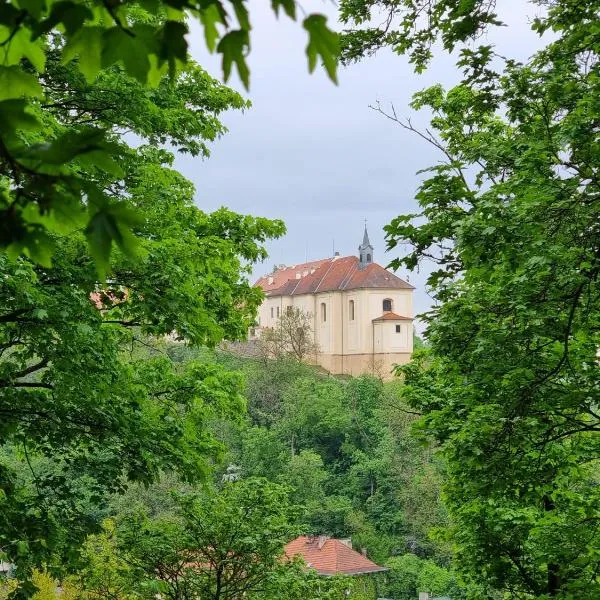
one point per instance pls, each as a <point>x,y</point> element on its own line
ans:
<point>352,270</point>
<point>297,284</point>
<point>331,263</point>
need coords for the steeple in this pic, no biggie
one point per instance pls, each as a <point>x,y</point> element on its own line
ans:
<point>365,250</point>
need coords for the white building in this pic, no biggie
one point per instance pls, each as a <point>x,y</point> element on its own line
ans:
<point>361,313</point>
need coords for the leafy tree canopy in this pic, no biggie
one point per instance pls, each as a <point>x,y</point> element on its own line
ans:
<point>510,219</point>
<point>88,397</point>
<point>45,186</point>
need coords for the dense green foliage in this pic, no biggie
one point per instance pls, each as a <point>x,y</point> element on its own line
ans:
<point>83,406</point>
<point>43,187</point>
<point>347,451</point>
<point>511,221</point>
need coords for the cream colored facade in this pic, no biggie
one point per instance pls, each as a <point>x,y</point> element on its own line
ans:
<point>354,330</point>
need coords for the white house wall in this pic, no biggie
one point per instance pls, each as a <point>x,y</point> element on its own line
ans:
<point>339,337</point>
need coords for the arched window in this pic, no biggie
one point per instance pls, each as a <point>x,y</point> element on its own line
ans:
<point>368,258</point>
<point>323,312</point>
<point>387,305</point>
<point>351,310</point>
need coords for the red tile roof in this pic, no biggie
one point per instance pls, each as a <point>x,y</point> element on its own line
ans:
<point>279,277</point>
<point>330,274</point>
<point>392,316</point>
<point>329,556</point>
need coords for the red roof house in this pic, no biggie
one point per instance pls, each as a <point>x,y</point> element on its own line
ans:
<point>329,556</point>
<point>359,314</point>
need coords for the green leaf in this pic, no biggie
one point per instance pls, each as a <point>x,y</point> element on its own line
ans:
<point>15,83</point>
<point>209,18</point>
<point>322,42</point>
<point>15,115</point>
<point>70,14</point>
<point>66,147</point>
<point>174,45</point>
<point>234,46</point>
<point>130,50</point>
<point>111,223</point>
<point>102,160</point>
<point>87,44</point>
<point>35,243</point>
<point>289,6</point>
<point>21,46</point>
<point>34,7</point>
<point>241,12</point>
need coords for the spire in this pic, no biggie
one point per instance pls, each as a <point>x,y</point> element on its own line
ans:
<point>366,241</point>
<point>365,250</point>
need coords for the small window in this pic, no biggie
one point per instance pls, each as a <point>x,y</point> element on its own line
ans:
<point>323,312</point>
<point>278,312</point>
<point>271,312</point>
<point>252,332</point>
<point>398,328</point>
<point>387,305</point>
<point>351,310</point>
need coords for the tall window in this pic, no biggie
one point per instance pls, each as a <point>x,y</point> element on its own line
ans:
<point>323,312</point>
<point>368,258</point>
<point>398,328</point>
<point>387,305</point>
<point>271,312</point>
<point>278,312</point>
<point>351,310</point>
<point>289,310</point>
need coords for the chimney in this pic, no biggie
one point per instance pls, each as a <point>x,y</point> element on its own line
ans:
<point>363,551</point>
<point>336,253</point>
<point>322,540</point>
<point>424,596</point>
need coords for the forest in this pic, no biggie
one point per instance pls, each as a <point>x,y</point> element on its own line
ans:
<point>315,455</point>
<point>139,459</point>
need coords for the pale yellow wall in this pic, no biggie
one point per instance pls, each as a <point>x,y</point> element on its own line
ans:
<point>352,347</point>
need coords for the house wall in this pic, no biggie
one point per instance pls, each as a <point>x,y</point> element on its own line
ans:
<point>350,346</point>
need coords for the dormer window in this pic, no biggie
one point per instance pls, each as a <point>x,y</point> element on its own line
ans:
<point>387,305</point>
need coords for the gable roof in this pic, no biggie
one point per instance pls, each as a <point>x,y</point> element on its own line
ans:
<point>391,316</point>
<point>328,556</point>
<point>279,277</point>
<point>327,275</point>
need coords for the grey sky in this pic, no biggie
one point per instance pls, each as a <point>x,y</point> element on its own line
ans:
<point>314,154</point>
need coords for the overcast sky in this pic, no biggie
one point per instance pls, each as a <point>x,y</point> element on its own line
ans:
<point>314,154</point>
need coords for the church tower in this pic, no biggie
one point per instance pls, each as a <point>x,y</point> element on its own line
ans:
<point>365,251</point>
